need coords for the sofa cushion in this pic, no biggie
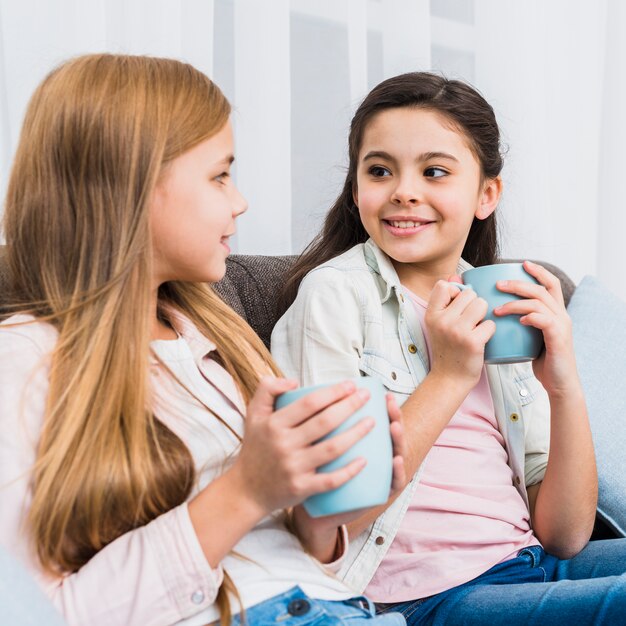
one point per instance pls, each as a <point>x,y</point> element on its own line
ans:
<point>251,287</point>
<point>599,326</point>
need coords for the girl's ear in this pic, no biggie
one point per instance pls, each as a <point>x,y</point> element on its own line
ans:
<point>489,198</point>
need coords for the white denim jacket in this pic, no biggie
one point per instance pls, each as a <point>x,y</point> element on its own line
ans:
<point>349,319</point>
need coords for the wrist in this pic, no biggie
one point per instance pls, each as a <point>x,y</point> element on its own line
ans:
<point>221,514</point>
<point>459,384</point>
<point>236,485</point>
<point>571,393</point>
<point>318,538</point>
<point>565,386</point>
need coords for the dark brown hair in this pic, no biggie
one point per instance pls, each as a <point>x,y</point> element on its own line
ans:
<point>466,109</point>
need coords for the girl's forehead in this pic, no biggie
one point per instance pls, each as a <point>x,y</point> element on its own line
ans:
<point>413,128</point>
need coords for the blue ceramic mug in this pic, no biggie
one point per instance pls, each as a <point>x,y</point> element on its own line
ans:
<point>512,342</point>
<point>371,486</point>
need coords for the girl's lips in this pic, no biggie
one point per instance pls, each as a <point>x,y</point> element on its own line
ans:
<point>405,232</point>
<point>224,242</point>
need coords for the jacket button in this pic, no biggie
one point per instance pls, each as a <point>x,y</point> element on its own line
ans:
<point>197,597</point>
<point>412,348</point>
<point>298,607</point>
<point>514,417</point>
<point>380,540</point>
<point>393,376</point>
<point>523,392</point>
<point>517,480</point>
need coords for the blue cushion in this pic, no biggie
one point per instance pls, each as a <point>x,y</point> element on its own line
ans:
<point>599,327</point>
<point>22,602</point>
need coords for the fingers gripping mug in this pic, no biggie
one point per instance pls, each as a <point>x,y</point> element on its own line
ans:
<point>512,342</point>
<point>371,486</point>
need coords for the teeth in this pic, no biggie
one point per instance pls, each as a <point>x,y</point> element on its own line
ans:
<point>404,224</point>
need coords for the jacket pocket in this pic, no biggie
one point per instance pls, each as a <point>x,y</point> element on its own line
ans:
<point>393,377</point>
<point>527,386</point>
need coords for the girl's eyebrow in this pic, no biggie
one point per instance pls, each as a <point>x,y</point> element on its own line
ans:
<point>227,160</point>
<point>426,156</point>
<point>378,154</point>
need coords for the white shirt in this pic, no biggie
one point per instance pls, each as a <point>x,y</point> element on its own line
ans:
<point>156,574</point>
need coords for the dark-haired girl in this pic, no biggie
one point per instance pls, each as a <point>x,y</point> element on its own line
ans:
<point>504,485</point>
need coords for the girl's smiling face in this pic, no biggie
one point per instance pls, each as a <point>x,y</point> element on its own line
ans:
<point>419,187</point>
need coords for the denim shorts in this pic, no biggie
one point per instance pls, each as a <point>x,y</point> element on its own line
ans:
<point>295,608</point>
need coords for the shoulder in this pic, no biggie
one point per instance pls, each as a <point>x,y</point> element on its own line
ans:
<point>352,259</point>
<point>26,346</point>
<point>23,334</point>
<point>349,268</point>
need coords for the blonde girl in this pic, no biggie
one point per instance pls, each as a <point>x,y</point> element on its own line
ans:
<point>145,477</point>
<point>493,526</point>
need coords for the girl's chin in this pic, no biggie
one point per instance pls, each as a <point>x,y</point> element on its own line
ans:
<point>403,252</point>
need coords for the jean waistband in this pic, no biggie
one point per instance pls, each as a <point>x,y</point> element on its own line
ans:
<point>534,553</point>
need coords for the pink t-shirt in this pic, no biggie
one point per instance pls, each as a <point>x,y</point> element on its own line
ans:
<point>465,516</point>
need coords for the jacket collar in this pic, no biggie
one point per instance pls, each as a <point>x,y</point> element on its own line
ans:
<point>199,345</point>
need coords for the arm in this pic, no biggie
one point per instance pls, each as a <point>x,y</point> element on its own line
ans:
<point>277,466</point>
<point>563,505</point>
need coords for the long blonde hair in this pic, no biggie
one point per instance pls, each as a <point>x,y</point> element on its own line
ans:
<point>97,134</point>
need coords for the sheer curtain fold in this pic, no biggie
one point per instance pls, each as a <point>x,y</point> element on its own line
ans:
<point>406,36</point>
<point>296,69</point>
<point>545,82</point>
<point>5,125</point>
<point>611,200</point>
<point>262,121</point>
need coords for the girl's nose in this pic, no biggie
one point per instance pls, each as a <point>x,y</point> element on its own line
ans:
<point>406,193</point>
<point>240,204</point>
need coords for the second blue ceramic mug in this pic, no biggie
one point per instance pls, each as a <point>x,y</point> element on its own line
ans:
<point>371,486</point>
<point>512,342</point>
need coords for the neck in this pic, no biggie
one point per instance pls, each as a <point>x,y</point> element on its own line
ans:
<point>421,278</point>
<point>160,330</point>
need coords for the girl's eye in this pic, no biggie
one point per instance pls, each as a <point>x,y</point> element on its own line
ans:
<point>435,172</point>
<point>221,178</point>
<point>378,171</point>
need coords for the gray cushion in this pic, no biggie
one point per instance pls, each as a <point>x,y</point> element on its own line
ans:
<point>599,324</point>
<point>251,286</point>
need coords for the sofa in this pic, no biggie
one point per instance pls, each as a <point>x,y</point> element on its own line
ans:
<point>252,283</point>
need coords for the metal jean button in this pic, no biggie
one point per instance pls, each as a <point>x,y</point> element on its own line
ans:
<point>298,607</point>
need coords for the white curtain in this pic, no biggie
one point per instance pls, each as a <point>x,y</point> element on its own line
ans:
<point>295,70</point>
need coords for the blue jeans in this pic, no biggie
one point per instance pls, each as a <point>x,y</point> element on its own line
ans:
<point>534,588</point>
<point>295,608</point>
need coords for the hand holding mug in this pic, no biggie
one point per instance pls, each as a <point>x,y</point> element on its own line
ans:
<point>311,529</point>
<point>373,451</point>
<point>282,448</point>
<point>542,307</point>
<point>512,341</point>
<point>458,332</point>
